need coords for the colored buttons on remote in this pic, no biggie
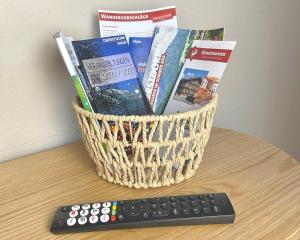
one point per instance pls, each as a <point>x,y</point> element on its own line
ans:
<point>73,213</point>
<point>159,211</point>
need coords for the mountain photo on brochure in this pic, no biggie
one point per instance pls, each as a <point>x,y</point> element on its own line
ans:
<point>109,68</point>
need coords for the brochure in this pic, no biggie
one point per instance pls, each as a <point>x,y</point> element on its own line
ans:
<point>139,49</point>
<point>200,75</point>
<point>67,52</point>
<point>167,55</point>
<point>135,23</point>
<point>107,64</point>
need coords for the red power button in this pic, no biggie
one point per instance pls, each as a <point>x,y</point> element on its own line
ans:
<point>113,218</point>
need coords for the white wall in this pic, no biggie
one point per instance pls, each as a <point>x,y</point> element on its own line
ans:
<point>259,93</point>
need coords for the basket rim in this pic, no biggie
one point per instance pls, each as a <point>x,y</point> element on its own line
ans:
<point>144,118</point>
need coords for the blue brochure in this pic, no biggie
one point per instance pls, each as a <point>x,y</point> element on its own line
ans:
<point>139,49</point>
<point>109,68</point>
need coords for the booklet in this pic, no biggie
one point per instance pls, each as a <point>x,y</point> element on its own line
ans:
<point>66,50</point>
<point>167,55</point>
<point>139,49</point>
<point>200,75</point>
<point>135,23</point>
<point>107,64</point>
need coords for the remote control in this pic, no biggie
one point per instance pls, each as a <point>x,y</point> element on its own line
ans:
<point>211,208</point>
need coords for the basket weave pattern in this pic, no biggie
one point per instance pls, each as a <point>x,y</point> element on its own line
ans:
<point>168,152</point>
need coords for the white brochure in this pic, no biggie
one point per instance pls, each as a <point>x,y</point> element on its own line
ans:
<point>135,23</point>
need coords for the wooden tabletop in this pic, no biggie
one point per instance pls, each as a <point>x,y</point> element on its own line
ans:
<point>262,181</point>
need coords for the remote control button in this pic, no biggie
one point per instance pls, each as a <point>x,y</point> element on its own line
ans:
<point>182,198</point>
<point>153,206</point>
<point>196,210</point>
<point>173,204</point>
<point>114,207</point>
<point>192,197</point>
<point>96,205</point>
<point>185,211</point>
<point>75,207</point>
<point>84,212</point>
<point>145,215</point>
<point>213,202</point>
<point>175,212</point>
<point>95,211</point>
<point>160,213</point>
<point>66,209</point>
<point>113,212</point>
<point>105,210</point>
<point>201,197</point>
<point>113,218</point>
<point>93,219</point>
<point>121,217</point>
<point>216,209</point>
<point>183,204</point>
<point>82,220</point>
<point>210,196</point>
<point>115,203</point>
<point>104,218</point>
<point>73,214</point>
<point>144,200</point>
<point>203,202</point>
<point>60,222</point>
<point>164,205</point>
<point>173,199</point>
<point>206,209</point>
<point>71,222</point>
<point>193,203</point>
<point>106,204</point>
<point>86,206</point>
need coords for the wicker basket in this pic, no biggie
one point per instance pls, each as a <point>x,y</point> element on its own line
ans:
<point>146,151</point>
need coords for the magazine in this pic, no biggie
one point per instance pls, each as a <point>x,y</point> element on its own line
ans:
<point>108,66</point>
<point>139,49</point>
<point>200,75</point>
<point>167,55</point>
<point>135,23</point>
<point>66,50</point>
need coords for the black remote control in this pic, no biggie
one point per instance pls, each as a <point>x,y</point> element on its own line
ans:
<point>212,208</point>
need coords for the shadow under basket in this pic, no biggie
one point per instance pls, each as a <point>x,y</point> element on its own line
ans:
<point>146,151</point>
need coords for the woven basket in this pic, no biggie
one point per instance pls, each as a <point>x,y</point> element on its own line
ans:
<point>146,151</point>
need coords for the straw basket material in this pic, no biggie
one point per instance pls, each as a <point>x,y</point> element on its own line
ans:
<point>146,151</point>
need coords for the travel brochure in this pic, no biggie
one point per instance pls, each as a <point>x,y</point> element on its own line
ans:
<point>142,64</point>
<point>167,55</point>
<point>135,23</point>
<point>200,76</point>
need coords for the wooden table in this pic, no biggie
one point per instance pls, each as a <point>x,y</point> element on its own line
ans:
<point>262,181</point>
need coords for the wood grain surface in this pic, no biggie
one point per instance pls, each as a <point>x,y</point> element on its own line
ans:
<point>262,181</point>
